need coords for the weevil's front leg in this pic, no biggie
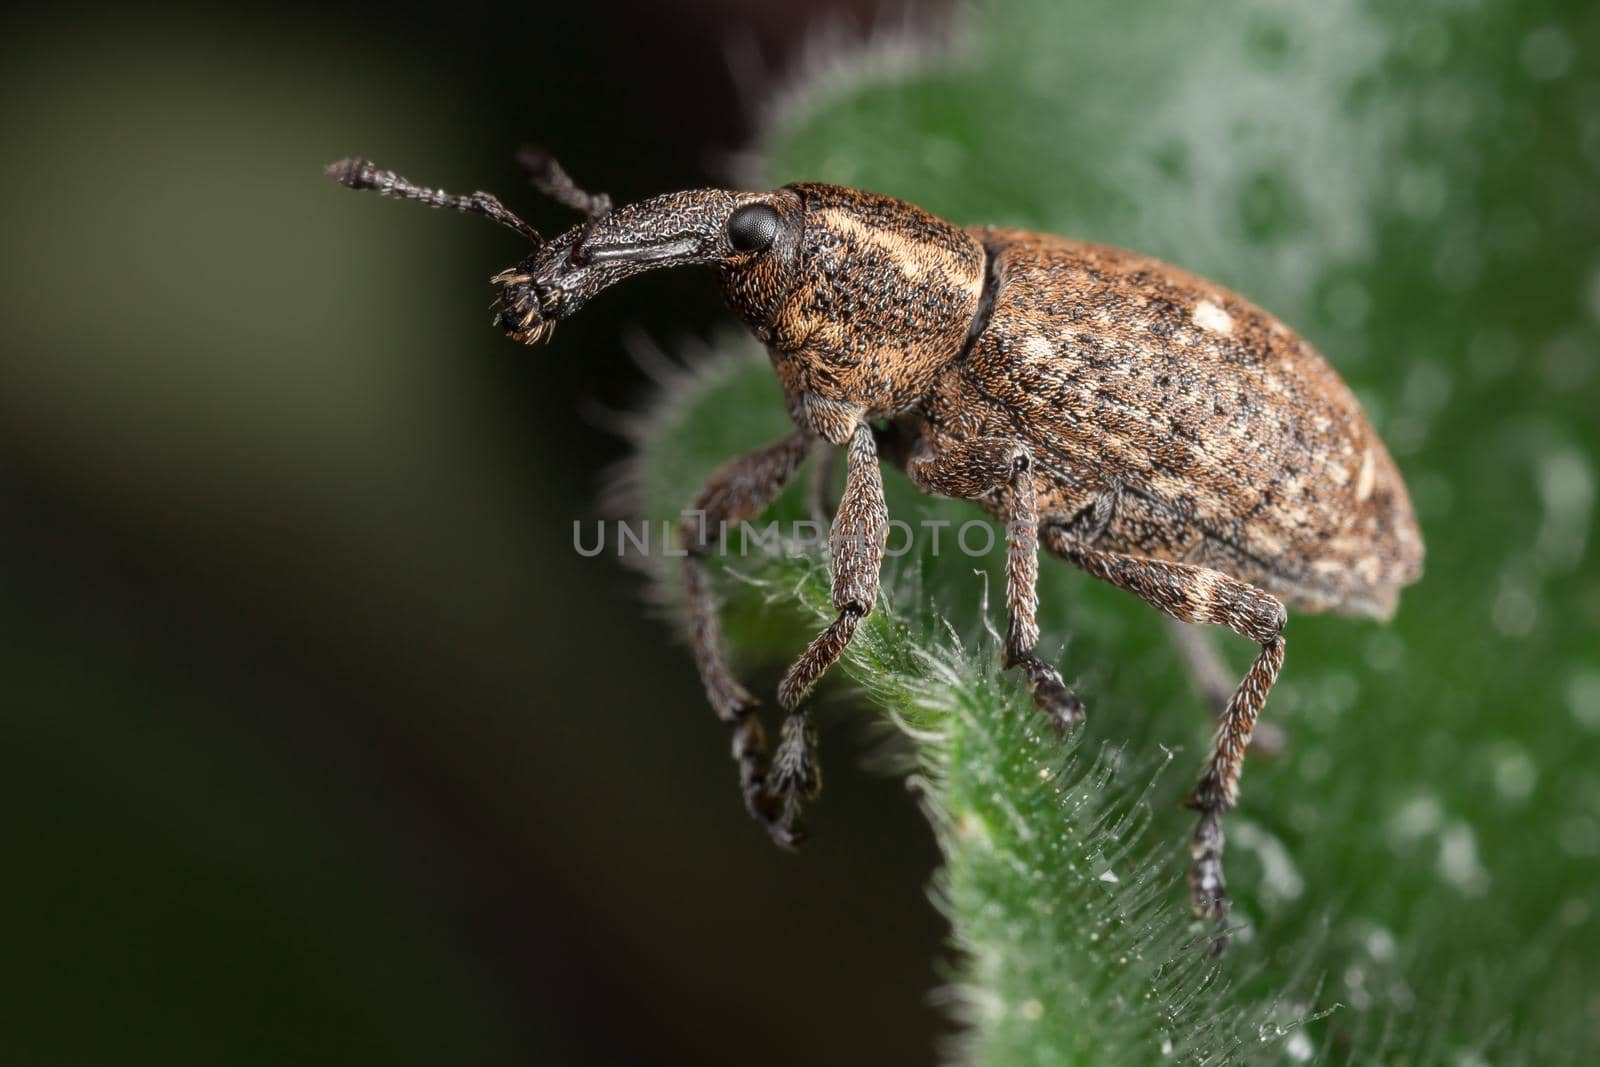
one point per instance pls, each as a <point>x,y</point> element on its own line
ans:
<point>974,468</point>
<point>740,489</point>
<point>1198,594</point>
<point>855,548</point>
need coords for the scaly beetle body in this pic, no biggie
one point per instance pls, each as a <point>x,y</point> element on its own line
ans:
<point>1148,426</point>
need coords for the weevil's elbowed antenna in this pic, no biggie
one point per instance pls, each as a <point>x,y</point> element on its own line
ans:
<point>549,178</point>
<point>543,171</point>
<point>364,174</point>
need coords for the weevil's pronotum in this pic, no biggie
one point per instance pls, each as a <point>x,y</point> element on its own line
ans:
<point>1140,422</point>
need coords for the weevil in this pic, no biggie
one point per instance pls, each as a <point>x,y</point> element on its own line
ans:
<point>1142,423</point>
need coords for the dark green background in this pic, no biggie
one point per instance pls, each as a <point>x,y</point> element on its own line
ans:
<point>320,743</point>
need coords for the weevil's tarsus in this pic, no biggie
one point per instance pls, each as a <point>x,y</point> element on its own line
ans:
<point>1208,889</point>
<point>794,778</point>
<point>364,174</point>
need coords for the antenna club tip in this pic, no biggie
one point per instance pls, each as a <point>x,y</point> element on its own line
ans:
<point>353,173</point>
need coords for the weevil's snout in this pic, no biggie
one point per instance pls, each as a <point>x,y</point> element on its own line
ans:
<point>700,226</point>
<point>546,287</point>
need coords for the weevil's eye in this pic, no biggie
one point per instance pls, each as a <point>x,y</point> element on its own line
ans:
<point>752,228</point>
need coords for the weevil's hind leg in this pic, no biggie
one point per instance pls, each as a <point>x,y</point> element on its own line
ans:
<point>1201,595</point>
<point>1213,682</point>
<point>1218,789</point>
<point>974,468</point>
<point>740,489</point>
<point>855,548</point>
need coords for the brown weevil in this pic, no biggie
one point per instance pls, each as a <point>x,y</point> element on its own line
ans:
<point>1146,425</point>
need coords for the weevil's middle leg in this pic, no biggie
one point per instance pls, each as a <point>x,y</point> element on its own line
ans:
<point>1050,693</point>
<point>1191,593</point>
<point>975,468</point>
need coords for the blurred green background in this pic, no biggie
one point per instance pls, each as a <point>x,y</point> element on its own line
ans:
<point>320,743</point>
<point>317,743</point>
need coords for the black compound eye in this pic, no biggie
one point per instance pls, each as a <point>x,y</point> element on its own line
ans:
<point>752,228</point>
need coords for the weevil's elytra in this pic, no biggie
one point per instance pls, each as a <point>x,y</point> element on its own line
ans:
<point>1233,445</point>
<point>1148,426</point>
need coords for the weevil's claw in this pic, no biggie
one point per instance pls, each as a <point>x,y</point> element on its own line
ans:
<point>788,833</point>
<point>787,829</point>
<point>1050,694</point>
<point>1060,704</point>
<point>733,701</point>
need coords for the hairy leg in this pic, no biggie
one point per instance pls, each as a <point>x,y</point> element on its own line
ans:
<point>855,549</point>
<point>1198,594</point>
<point>1213,682</point>
<point>974,468</point>
<point>740,489</point>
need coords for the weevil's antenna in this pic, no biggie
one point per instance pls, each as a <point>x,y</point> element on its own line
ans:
<point>550,179</point>
<point>364,174</point>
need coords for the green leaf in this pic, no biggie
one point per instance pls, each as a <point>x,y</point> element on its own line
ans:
<point>1415,187</point>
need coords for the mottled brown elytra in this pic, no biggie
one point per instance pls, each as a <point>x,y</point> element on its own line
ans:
<point>1144,424</point>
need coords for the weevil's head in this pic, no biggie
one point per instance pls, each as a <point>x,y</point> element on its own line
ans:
<point>861,297</point>
<point>751,237</point>
<point>848,272</point>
